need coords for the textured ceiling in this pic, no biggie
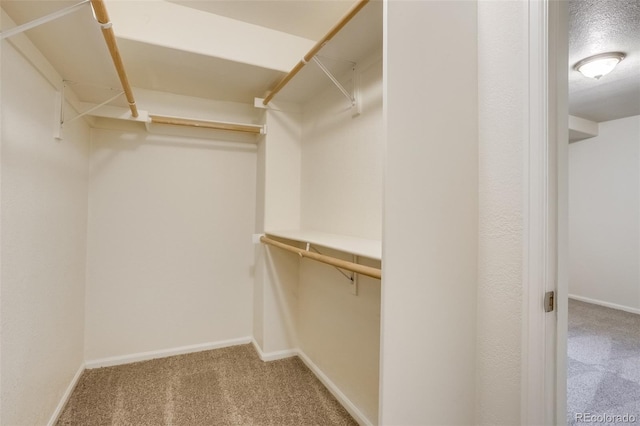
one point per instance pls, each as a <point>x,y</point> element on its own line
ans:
<point>598,26</point>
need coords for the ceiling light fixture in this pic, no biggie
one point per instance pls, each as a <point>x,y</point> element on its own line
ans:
<point>598,65</point>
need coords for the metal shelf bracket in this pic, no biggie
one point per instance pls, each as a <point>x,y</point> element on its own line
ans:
<point>351,97</point>
<point>59,113</point>
<point>353,278</point>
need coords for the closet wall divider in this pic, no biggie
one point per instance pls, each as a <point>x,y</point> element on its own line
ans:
<point>320,178</point>
<point>311,56</point>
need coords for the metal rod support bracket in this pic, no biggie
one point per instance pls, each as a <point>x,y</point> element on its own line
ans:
<point>350,278</point>
<point>60,109</point>
<point>83,113</point>
<point>354,278</point>
<point>335,81</point>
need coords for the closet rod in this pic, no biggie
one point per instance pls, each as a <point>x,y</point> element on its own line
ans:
<point>338,263</point>
<point>160,119</point>
<point>102,16</point>
<point>315,49</point>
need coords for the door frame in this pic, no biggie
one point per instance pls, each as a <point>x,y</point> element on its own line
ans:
<point>545,229</point>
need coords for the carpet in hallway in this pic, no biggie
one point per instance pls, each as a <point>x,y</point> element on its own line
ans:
<point>603,365</point>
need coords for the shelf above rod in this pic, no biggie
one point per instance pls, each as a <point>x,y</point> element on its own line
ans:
<point>339,263</point>
<point>42,20</point>
<point>315,49</point>
<point>205,124</point>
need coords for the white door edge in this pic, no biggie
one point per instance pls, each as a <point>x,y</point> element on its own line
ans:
<point>544,216</point>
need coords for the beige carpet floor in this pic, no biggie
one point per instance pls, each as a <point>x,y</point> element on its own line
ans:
<point>229,386</point>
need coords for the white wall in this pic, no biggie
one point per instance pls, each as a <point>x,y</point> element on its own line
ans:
<point>340,332</point>
<point>282,162</point>
<point>604,215</point>
<point>170,255</point>
<point>502,67</point>
<point>342,158</point>
<point>44,225</point>
<point>430,222</point>
<point>278,208</point>
<point>341,193</point>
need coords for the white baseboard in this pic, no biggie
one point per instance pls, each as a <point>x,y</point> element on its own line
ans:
<point>272,356</point>
<point>335,391</point>
<point>163,353</point>
<point>605,304</point>
<point>65,396</point>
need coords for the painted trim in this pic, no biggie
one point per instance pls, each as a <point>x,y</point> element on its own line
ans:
<point>543,376</point>
<point>65,397</point>
<point>535,177</point>
<point>539,372</point>
<point>559,36</point>
<point>273,356</point>
<point>605,304</point>
<point>335,391</point>
<point>163,353</point>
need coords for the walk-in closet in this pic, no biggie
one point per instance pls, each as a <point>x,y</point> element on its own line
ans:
<point>295,182</point>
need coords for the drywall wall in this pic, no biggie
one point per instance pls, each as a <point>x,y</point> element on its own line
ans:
<point>342,158</point>
<point>278,208</point>
<point>341,193</point>
<point>340,331</point>
<point>580,128</point>
<point>502,67</point>
<point>44,225</point>
<point>430,220</point>
<point>282,162</point>
<point>604,215</point>
<point>258,287</point>
<point>170,256</point>
<point>276,301</point>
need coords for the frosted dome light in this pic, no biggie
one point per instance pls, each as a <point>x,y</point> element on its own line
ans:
<point>599,65</point>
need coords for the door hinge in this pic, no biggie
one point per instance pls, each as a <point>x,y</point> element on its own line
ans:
<point>549,301</point>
